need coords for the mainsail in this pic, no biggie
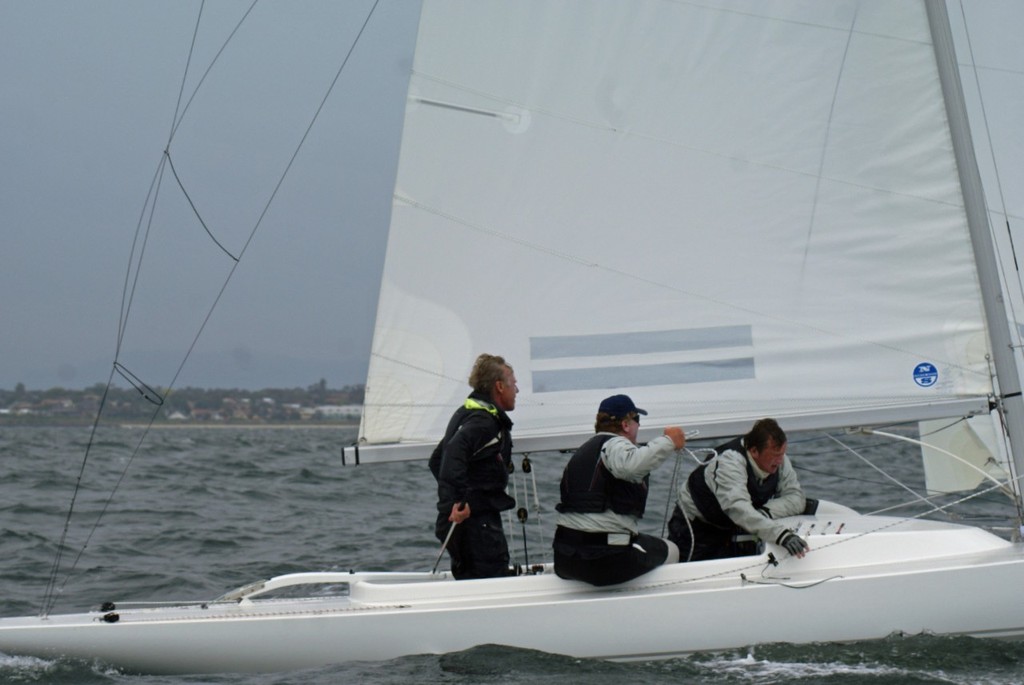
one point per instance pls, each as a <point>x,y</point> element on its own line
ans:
<point>727,210</point>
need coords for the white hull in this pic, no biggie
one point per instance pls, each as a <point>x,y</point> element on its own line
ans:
<point>912,577</point>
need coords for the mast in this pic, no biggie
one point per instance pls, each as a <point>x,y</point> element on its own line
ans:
<point>1009,401</point>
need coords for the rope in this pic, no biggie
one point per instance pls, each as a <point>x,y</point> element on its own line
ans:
<point>891,478</point>
<point>536,502</point>
<point>52,590</point>
<point>937,449</point>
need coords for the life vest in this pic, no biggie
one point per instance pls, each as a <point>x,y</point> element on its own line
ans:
<point>487,468</point>
<point>588,487</point>
<point>710,510</point>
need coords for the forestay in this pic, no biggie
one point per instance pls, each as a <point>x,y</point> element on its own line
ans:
<point>727,210</point>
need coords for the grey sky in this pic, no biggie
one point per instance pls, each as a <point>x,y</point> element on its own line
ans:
<point>90,90</point>
<point>89,95</point>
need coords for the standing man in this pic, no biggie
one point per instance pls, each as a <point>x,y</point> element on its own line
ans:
<point>471,465</point>
<point>604,493</point>
<point>731,501</point>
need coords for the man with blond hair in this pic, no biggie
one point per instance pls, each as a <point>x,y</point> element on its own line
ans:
<point>471,465</point>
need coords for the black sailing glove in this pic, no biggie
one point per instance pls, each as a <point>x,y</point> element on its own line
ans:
<point>793,543</point>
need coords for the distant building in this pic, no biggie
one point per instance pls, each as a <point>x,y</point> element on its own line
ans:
<point>340,411</point>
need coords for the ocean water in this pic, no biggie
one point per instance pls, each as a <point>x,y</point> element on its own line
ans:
<point>188,513</point>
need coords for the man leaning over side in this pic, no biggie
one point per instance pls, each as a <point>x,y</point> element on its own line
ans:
<point>731,502</point>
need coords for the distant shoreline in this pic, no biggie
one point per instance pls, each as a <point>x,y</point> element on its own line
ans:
<point>260,426</point>
<point>178,426</point>
<point>317,406</point>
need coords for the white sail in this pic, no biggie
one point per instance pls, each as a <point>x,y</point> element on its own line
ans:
<point>962,455</point>
<point>727,210</point>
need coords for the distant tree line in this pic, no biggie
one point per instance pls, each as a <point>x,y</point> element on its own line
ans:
<point>131,404</point>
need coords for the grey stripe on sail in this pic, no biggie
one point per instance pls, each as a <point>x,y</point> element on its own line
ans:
<point>611,377</point>
<point>644,342</point>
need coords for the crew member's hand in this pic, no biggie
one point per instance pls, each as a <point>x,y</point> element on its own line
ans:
<point>460,512</point>
<point>794,544</point>
<point>677,436</point>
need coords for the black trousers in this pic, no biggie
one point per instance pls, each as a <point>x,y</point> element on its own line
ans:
<point>588,557</point>
<point>706,541</point>
<point>478,548</point>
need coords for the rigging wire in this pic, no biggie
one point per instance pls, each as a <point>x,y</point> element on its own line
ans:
<point>49,592</point>
<point>195,210</point>
<point>1015,331</point>
<point>995,167</point>
<point>938,449</point>
<point>528,468</point>
<point>135,261</point>
<point>521,512</point>
<point>178,119</point>
<point>917,496</point>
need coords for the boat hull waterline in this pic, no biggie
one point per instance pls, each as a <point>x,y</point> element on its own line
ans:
<point>910,577</point>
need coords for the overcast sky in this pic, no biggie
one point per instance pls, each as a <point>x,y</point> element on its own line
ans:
<point>90,91</point>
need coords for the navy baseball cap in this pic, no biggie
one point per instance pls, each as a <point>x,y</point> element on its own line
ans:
<point>619,406</point>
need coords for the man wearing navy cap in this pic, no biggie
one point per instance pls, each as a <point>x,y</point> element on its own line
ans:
<point>604,494</point>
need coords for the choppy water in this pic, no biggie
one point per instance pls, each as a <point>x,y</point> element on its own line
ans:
<point>205,510</point>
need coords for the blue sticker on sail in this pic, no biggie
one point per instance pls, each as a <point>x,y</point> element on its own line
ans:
<point>925,374</point>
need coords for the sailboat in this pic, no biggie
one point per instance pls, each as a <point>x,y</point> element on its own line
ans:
<point>726,209</point>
